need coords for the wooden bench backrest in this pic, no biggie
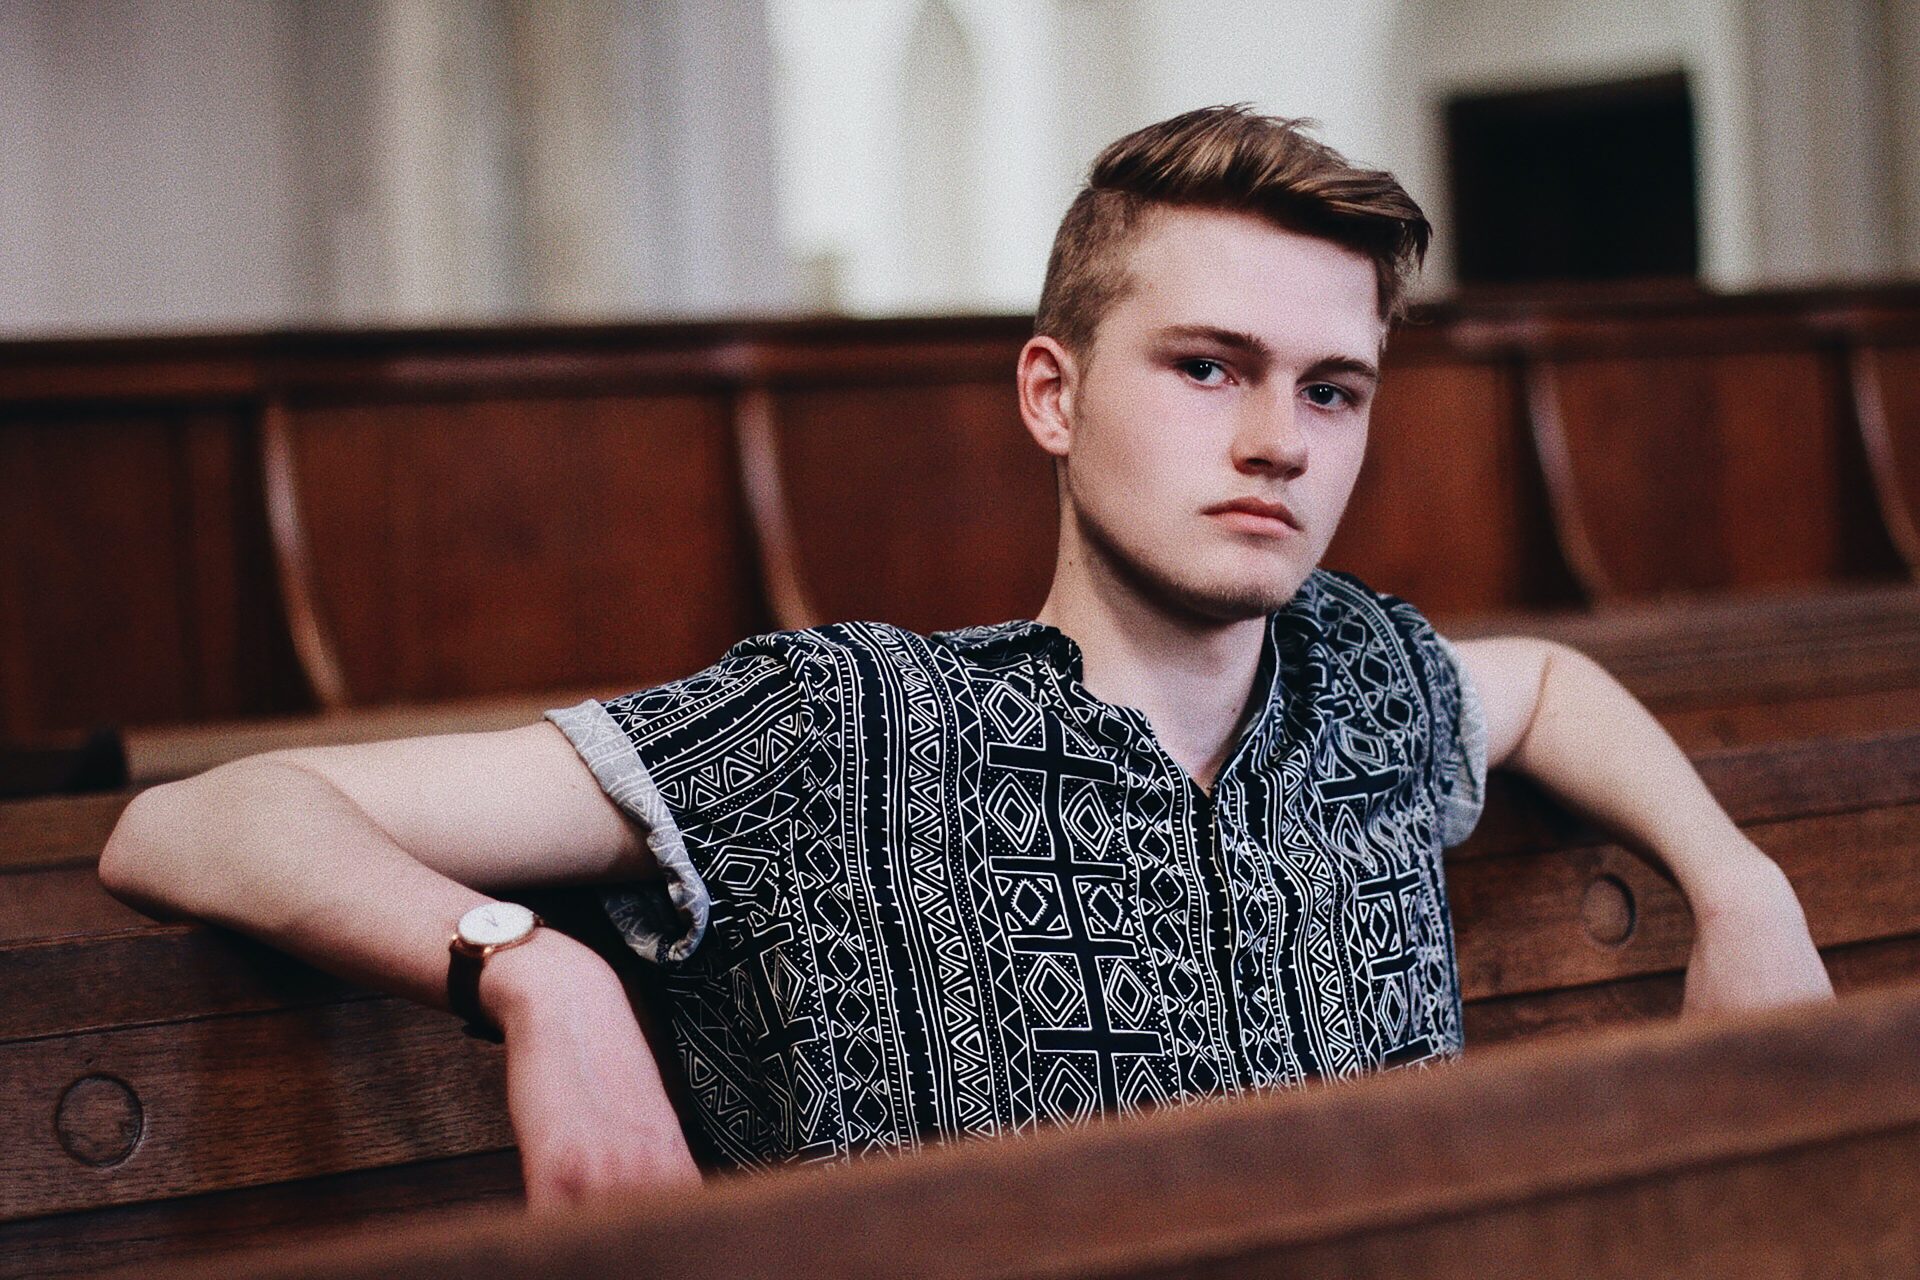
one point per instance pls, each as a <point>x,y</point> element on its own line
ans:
<point>1785,1144</point>
<point>237,526</point>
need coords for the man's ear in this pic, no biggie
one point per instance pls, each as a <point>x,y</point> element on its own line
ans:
<point>1049,381</point>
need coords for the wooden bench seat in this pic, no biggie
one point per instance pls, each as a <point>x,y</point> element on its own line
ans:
<point>252,1072</point>
<point>1560,931</point>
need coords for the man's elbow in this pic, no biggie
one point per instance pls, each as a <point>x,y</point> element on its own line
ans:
<point>144,860</point>
<point>171,852</point>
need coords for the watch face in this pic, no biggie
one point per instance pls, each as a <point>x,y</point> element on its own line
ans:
<point>492,923</point>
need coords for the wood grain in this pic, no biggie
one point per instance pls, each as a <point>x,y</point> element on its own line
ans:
<point>472,495</point>
<point>495,546</point>
<point>1897,367</point>
<point>1494,1020</point>
<point>1449,509</point>
<point>922,505</point>
<point>1679,461</point>
<point>252,1099</point>
<point>1617,1154</point>
<point>1835,665</point>
<point>141,1236</point>
<point>128,592</point>
<point>180,751</point>
<point>57,830</point>
<point>141,973</point>
<point>1520,921</point>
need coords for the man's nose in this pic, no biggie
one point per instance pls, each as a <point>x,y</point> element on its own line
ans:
<point>1270,439</point>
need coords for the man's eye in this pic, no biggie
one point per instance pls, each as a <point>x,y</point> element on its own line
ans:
<point>1327,396</point>
<point>1209,372</point>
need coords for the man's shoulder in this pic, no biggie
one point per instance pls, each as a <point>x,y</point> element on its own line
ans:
<point>1358,621</point>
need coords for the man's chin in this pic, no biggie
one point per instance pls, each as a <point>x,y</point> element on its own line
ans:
<point>1208,587</point>
<point>1233,601</point>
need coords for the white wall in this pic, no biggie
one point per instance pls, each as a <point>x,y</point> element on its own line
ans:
<point>196,163</point>
<point>144,170</point>
<point>1900,60</point>
<point>1807,169</point>
<point>175,164</point>
<point>1828,141</point>
<point>858,85</point>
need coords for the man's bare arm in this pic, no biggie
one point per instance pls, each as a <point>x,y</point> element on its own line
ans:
<point>360,859</point>
<point>1557,716</point>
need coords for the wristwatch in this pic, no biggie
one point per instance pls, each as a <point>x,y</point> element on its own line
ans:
<point>489,927</point>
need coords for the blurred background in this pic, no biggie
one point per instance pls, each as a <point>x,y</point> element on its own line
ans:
<point>373,353</point>
<point>191,164</point>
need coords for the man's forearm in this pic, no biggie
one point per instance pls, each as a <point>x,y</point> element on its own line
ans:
<point>273,850</point>
<point>361,860</point>
<point>1593,746</point>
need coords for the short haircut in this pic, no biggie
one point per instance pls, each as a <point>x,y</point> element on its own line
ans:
<point>1227,158</point>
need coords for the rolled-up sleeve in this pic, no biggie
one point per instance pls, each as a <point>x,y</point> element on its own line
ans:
<point>676,759</point>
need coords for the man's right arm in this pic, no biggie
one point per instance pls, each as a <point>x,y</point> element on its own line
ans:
<point>360,859</point>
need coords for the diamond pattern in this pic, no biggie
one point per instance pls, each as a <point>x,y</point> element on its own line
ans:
<point>947,891</point>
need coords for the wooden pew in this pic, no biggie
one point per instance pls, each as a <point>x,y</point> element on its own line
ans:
<point>1785,1144</point>
<point>181,751</point>
<point>1733,671</point>
<point>1559,930</point>
<point>1716,672</point>
<point>204,529</point>
<point>266,1101</point>
<point>146,1062</point>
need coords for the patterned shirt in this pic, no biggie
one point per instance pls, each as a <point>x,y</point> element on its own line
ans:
<point>924,886</point>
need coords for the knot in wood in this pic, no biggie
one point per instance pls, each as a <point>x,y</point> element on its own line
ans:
<point>99,1120</point>
<point>1608,911</point>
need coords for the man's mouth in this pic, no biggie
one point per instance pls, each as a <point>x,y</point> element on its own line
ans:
<point>1257,515</point>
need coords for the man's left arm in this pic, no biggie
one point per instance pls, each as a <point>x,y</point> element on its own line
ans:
<point>1554,714</point>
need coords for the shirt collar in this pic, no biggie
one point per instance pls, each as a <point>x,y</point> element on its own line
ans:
<point>1292,630</point>
<point>1005,642</point>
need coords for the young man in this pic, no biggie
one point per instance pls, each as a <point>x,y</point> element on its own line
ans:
<point>1179,836</point>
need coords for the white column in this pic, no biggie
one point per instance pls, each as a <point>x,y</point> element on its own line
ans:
<point>1824,195</point>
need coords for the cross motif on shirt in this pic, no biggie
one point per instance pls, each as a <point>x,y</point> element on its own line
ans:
<point>779,1034</point>
<point>1055,764</point>
<point>1393,887</point>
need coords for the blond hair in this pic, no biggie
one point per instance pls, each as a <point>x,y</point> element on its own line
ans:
<point>1227,158</point>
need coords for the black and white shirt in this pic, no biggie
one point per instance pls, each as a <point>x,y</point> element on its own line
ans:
<point>925,886</point>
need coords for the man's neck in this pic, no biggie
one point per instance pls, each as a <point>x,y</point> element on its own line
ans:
<point>1191,677</point>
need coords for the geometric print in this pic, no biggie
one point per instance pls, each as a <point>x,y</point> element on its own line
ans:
<point>924,887</point>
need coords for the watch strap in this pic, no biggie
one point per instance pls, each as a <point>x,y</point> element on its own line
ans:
<point>463,992</point>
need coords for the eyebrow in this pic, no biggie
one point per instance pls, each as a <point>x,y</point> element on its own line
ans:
<point>1258,352</point>
<point>1345,364</point>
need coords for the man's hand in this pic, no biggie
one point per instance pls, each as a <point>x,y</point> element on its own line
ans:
<point>1751,948</point>
<point>587,1104</point>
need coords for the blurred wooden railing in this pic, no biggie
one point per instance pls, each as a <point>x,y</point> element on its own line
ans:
<point>1784,1145</point>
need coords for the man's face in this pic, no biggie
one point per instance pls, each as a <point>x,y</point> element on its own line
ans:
<point>1215,429</point>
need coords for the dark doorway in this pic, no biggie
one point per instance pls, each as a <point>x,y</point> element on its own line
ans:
<point>1594,182</point>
